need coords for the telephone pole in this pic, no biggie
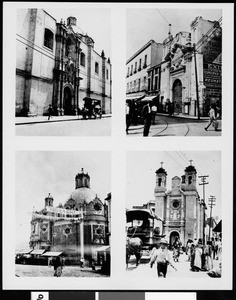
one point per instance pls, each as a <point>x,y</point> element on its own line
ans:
<point>196,79</point>
<point>203,180</point>
<point>211,203</point>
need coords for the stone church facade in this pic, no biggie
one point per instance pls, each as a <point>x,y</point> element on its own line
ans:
<point>180,208</point>
<point>56,64</point>
<point>78,228</point>
<point>179,68</point>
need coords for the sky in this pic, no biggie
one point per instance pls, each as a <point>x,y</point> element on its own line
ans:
<point>95,22</point>
<point>142,25</point>
<point>41,172</point>
<point>141,177</point>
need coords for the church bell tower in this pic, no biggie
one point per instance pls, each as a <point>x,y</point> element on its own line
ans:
<point>160,191</point>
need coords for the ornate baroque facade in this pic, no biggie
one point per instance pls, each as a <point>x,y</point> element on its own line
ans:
<point>56,64</point>
<point>77,228</point>
<point>180,208</point>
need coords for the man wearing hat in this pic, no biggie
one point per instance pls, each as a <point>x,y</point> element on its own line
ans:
<point>163,257</point>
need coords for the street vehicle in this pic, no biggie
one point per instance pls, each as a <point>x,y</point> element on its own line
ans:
<point>91,109</point>
<point>144,224</point>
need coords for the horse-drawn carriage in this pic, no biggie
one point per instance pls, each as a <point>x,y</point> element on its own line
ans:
<point>91,109</point>
<point>144,231</point>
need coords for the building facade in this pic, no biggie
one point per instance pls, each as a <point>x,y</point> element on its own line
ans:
<point>180,208</point>
<point>56,64</point>
<point>138,80</point>
<point>191,74</point>
<point>78,228</point>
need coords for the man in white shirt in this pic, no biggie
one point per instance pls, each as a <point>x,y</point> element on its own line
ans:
<point>163,257</point>
<point>212,117</point>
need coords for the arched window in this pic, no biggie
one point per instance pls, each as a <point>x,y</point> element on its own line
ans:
<point>107,74</point>
<point>96,67</point>
<point>159,181</point>
<point>82,59</point>
<point>48,38</point>
<point>190,180</point>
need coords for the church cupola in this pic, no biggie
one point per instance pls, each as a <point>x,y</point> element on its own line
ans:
<point>161,175</point>
<point>71,21</point>
<point>82,180</point>
<point>49,200</point>
<point>190,176</point>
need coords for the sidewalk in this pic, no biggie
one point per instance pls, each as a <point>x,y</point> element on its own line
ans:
<point>183,116</point>
<point>44,119</point>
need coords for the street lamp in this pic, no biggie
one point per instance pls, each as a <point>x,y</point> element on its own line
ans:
<point>211,203</point>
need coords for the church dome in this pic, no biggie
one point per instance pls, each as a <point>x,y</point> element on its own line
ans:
<point>82,194</point>
<point>190,169</point>
<point>161,171</point>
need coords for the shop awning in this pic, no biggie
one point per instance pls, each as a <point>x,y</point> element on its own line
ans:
<point>149,98</point>
<point>51,253</point>
<point>25,251</point>
<point>134,96</point>
<point>39,251</point>
<point>103,248</point>
<point>218,227</point>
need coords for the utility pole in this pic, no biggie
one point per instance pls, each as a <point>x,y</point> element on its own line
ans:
<point>211,203</point>
<point>196,79</point>
<point>203,180</point>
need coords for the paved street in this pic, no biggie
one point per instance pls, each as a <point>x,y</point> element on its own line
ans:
<point>183,269</point>
<point>176,126</point>
<point>45,271</point>
<point>68,127</point>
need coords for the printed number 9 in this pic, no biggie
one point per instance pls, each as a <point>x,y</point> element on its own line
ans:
<point>40,296</point>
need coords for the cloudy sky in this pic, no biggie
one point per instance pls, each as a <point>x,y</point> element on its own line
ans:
<point>141,177</point>
<point>142,25</point>
<point>41,172</point>
<point>95,22</point>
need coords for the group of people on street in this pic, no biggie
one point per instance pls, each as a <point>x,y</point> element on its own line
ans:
<point>148,114</point>
<point>201,256</point>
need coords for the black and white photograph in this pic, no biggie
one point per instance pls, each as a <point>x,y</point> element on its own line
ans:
<point>63,214</point>
<point>87,206</point>
<point>174,219</point>
<point>173,72</point>
<point>63,72</point>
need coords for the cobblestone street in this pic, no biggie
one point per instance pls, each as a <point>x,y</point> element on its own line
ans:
<point>176,126</point>
<point>183,269</point>
<point>45,271</point>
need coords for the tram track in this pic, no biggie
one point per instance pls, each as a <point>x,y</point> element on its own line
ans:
<point>167,127</point>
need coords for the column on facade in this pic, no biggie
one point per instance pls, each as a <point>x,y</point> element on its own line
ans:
<point>182,221</point>
<point>167,217</point>
<point>89,71</point>
<point>29,62</point>
<point>103,81</point>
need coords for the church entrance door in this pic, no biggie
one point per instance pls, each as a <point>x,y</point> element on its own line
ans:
<point>173,235</point>
<point>67,101</point>
<point>177,96</point>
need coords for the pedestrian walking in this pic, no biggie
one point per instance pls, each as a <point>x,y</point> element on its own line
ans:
<point>208,256</point>
<point>154,111</point>
<point>128,117</point>
<point>176,249</point>
<point>212,119</point>
<point>50,111</point>
<point>58,265</point>
<point>188,249</point>
<point>197,263</point>
<point>163,257</point>
<point>147,116</point>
